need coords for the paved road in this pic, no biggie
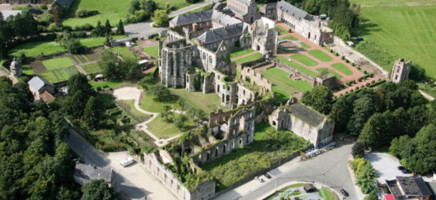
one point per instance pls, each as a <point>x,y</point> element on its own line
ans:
<point>330,168</point>
<point>133,182</point>
<point>143,29</point>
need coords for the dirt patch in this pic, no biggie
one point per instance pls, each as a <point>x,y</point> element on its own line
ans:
<point>37,67</point>
<point>127,93</point>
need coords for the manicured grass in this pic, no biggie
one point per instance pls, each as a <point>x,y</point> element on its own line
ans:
<point>290,37</point>
<point>97,41</point>
<point>33,49</point>
<point>208,102</point>
<point>248,58</point>
<point>60,75</point>
<point>163,129</point>
<point>240,52</point>
<point>404,28</point>
<point>325,69</point>
<point>57,63</point>
<point>27,70</point>
<point>327,194</point>
<point>304,59</point>
<point>320,55</point>
<point>305,45</point>
<point>343,68</point>
<point>92,68</point>
<point>283,86</point>
<point>148,103</point>
<point>121,50</point>
<point>280,30</point>
<point>152,51</point>
<point>268,146</point>
<point>129,106</point>
<point>297,66</point>
<point>109,84</point>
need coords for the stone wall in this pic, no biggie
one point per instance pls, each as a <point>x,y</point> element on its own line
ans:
<point>310,29</point>
<point>306,77</point>
<point>256,78</point>
<point>175,61</point>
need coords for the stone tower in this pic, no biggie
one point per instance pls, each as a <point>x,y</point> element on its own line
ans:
<point>401,70</point>
<point>175,61</point>
<point>16,68</point>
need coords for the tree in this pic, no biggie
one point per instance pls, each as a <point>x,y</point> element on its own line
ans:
<point>341,112</point>
<point>92,113</point>
<point>358,149</point>
<point>372,196</point>
<point>159,91</point>
<point>97,190</point>
<point>319,98</point>
<point>70,44</point>
<point>120,28</point>
<point>109,63</point>
<point>366,178</point>
<point>79,82</point>
<point>129,68</point>
<point>107,30</point>
<point>98,30</point>
<point>180,121</point>
<point>160,17</point>
<point>364,108</point>
<point>181,105</point>
<point>166,112</point>
<point>134,6</point>
<point>146,82</point>
<point>149,7</point>
<point>57,15</point>
<point>377,130</point>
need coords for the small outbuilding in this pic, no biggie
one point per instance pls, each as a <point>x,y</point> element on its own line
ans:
<point>309,188</point>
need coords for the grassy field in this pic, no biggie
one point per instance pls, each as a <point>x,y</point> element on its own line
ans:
<point>109,84</point>
<point>163,129</point>
<point>325,69</point>
<point>304,59</point>
<point>404,28</point>
<point>27,70</point>
<point>305,45</point>
<point>249,58</point>
<point>57,63</point>
<point>343,68</point>
<point>149,104</point>
<point>33,49</point>
<point>59,75</point>
<point>92,68</point>
<point>121,50</point>
<point>297,66</point>
<point>152,51</point>
<point>129,106</point>
<point>290,37</point>
<point>207,102</point>
<point>97,41</point>
<point>268,146</point>
<point>320,55</point>
<point>283,86</point>
<point>280,30</point>
<point>240,52</point>
<point>326,194</point>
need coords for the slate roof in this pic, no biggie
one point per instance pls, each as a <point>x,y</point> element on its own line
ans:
<point>224,19</point>
<point>191,18</point>
<point>85,173</point>
<point>38,82</point>
<point>269,5</point>
<point>236,10</point>
<point>306,114</point>
<point>291,10</point>
<point>413,186</point>
<point>220,34</point>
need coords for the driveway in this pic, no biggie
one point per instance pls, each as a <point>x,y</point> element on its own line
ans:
<point>144,29</point>
<point>330,169</point>
<point>133,182</point>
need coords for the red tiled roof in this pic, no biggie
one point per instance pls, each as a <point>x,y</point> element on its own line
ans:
<point>389,197</point>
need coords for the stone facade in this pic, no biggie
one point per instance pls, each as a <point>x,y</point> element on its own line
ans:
<point>263,35</point>
<point>16,68</point>
<point>304,121</point>
<point>401,70</point>
<point>246,10</point>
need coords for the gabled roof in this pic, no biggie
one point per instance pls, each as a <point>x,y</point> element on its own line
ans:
<point>191,18</point>
<point>220,34</point>
<point>224,19</point>
<point>291,10</point>
<point>38,82</point>
<point>84,173</point>
<point>306,114</point>
<point>413,186</point>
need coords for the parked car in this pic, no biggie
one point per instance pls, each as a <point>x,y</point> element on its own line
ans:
<point>345,193</point>
<point>259,179</point>
<point>400,168</point>
<point>128,161</point>
<point>267,175</point>
<point>406,171</point>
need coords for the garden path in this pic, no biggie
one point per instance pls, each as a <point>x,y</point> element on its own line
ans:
<point>129,93</point>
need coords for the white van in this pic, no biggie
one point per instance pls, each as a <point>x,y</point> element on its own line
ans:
<point>128,161</point>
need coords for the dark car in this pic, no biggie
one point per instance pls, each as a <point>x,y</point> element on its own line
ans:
<point>267,175</point>
<point>400,168</point>
<point>406,171</point>
<point>344,192</point>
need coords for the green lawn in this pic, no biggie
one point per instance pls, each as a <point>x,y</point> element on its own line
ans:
<point>304,59</point>
<point>57,63</point>
<point>152,51</point>
<point>297,66</point>
<point>97,41</point>
<point>129,106</point>
<point>404,28</point>
<point>249,58</point>
<point>326,194</point>
<point>343,68</point>
<point>283,86</point>
<point>121,50</point>
<point>325,69</point>
<point>290,37</point>
<point>280,30</point>
<point>27,70</point>
<point>92,68</point>
<point>131,56</point>
<point>208,102</point>
<point>320,55</point>
<point>148,103</point>
<point>60,75</point>
<point>109,84</point>
<point>33,49</point>
<point>163,129</point>
<point>268,146</point>
<point>240,52</point>
<point>305,45</point>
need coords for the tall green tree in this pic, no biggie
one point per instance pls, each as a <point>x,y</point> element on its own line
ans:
<point>97,190</point>
<point>160,17</point>
<point>92,113</point>
<point>319,98</point>
<point>120,28</point>
<point>107,28</point>
<point>377,131</point>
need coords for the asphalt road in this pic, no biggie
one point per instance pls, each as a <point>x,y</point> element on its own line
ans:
<point>132,182</point>
<point>144,29</point>
<point>329,168</point>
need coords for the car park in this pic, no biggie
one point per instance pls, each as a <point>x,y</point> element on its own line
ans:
<point>128,161</point>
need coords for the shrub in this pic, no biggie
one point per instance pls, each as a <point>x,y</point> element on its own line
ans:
<point>367,84</point>
<point>373,81</point>
<point>151,36</point>
<point>343,57</point>
<point>43,6</point>
<point>353,64</point>
<point>365,72</point>
<point>82,13</point>
<point>337,54</point>
<point>358,149</point>
<point>331,50</point>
